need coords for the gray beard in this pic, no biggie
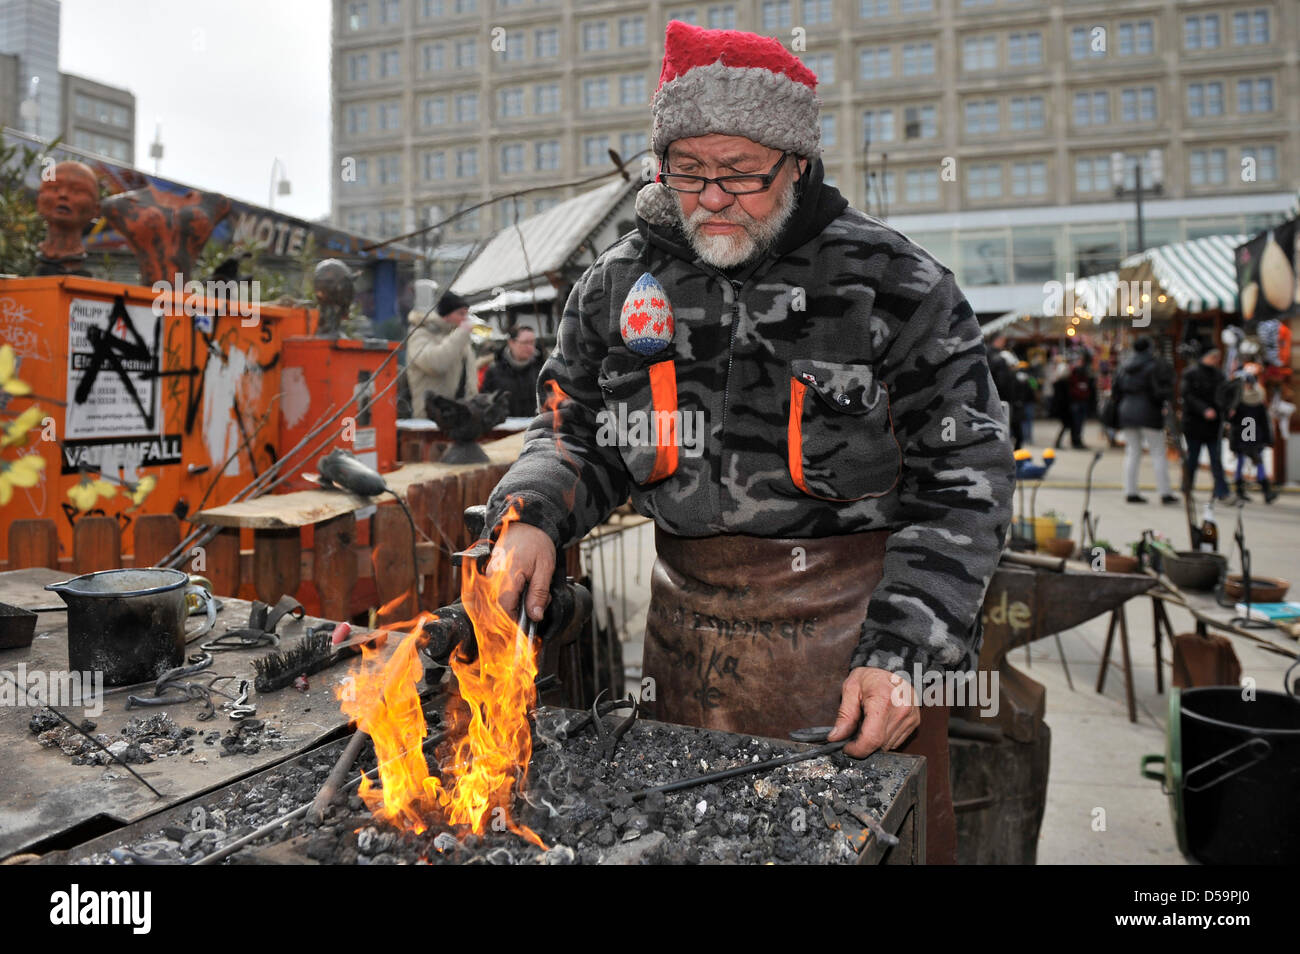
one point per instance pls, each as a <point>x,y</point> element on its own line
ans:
<point>755,237</point>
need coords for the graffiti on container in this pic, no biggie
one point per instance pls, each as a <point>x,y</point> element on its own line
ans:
<point>21,331</point>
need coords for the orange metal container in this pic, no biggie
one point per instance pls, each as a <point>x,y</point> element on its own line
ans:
<point>319,376</point>
<point>138,383</point>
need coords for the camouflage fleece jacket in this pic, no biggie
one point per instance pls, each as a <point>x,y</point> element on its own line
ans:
<point>843,386</point>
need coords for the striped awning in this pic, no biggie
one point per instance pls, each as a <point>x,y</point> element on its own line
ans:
<point>999,323</point>
<point>1199,275</point>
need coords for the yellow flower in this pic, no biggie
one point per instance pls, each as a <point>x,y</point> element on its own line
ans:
<point>90,490</point>
<point>142,490</point>
<point>24,472</point>
<point>8,382</point>
<point>16,430</point>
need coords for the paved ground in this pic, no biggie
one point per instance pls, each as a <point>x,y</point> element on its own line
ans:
<point>1099,810</point>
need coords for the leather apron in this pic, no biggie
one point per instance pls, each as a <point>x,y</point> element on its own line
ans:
<point>755,635</point>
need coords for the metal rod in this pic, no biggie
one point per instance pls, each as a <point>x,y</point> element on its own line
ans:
<point>746,769</point>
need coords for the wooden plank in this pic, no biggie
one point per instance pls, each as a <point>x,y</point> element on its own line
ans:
<point>156,535</point>
<point>334,567</point>
<point>391,561</point>
<point>220,560</point>
<point>300,508</point>
<point>96,545</point>
<point>277,565</point>
<point>420,499</point>
<point>449,521</point>
<point>33,543</point>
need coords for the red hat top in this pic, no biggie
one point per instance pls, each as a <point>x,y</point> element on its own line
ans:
<point>687,46</point>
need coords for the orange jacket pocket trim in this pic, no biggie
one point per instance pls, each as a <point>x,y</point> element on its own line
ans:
<point>794,434</point>
<point>663,394</point>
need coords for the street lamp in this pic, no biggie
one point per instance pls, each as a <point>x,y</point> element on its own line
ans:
<point>278,186</point>
<point>156,147</point>
<point>1155,168</point>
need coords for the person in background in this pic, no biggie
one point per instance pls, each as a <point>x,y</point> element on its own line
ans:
<point>1202,394</point>
<point>1027,397</point>
<point>1249,429</point>
<point>1082,392</point>
<point>515,371</point>
<point>1142,387</point>
<point>1002,365</point>
<point>439,354</point>
<point>1059,400</point>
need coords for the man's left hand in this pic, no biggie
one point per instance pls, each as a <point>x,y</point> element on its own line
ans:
<point>869,704</point>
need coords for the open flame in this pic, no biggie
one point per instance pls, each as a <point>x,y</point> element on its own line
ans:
<point>490,737</point>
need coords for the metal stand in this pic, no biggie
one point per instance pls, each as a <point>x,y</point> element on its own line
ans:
<point>1246,622</point>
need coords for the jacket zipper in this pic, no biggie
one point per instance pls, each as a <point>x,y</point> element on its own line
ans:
<point>731,355</point>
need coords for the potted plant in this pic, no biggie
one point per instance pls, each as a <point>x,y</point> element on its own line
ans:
<point>1064,528</point>
<point>1116,562</point>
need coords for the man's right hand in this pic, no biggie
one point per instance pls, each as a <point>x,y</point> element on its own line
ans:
<point>530,555</point>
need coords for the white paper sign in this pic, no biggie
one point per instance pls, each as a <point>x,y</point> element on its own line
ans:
<point>113,365</point>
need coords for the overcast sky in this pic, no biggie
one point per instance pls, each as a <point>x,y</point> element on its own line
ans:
<point>235,84</point>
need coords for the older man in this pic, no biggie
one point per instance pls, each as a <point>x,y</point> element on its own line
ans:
<point>830,537</point>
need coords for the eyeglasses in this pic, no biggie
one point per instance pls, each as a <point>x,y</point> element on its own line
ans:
<point>732,185</point>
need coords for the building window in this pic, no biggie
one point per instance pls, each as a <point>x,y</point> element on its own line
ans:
<point>631,31</point>
<point>918,59</point>
<point>1025,49</point>
<point>357,222</point>
<point>431,9</point>
<point>595,36</point>
<point>917,6</point>
<point>822,65</point>
<point>1265,158</point>
<point>546,99</point>
<point>631,143</point>
<point>547,155</point>
<point>433,57</point>
<point>466,54</point>
<point>1201,32</point>
<point>359,67</point>
<point>435,166</point>
<point>469,222</point>
<point>514,46</point>
<point>595,150</point>
<point>467,162</point>
<point>362,171</point>
<point>632,91</point>
<point>871,9</point>
<point>984,181</point>
<point>358,15</point>
<point>390,117</point>
<point>390,170</point>
<point>1204,99</point>
<point>918,122</point>
<point>1029,178</point>
<point>878,125</point>
<point>1137,38</point>
<point>687,15</point>
<point>1207,167</point>
<point>921,185</point>
<point>547,203</point>
<point>467,108</point>
<point>979,53</point>
<point>390,64</point>
<point>776,15</point>
<point>1082,46</point>
<point>1092,174</point>
<point>722,17</point>
<point>595,94</point>
<point>1027,113</point>
<point>1255,96</point>
<point>1138,105</point>
<point>512,159</point>
<point>390,11</point>
<point>1092,109</point>
<point>546,43</point>
<point>358,120</point>
<point>510,102</point>
<point>828,132</point>
<point>466,6</point>
<point>981,117</point>
<point>1250,27</point>
<point>876,63</point>
<point>433,111</point>
<point>816,12</point>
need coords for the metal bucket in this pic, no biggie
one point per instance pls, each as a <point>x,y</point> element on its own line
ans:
<point>130,624</point>
<point>1232,774</point>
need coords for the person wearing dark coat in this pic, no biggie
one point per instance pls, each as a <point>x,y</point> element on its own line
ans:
<point>1249,430</point>
<point>1202,393</point>
<point>1142,386</point>
<point>515,371</point>
<point>1078,399</point>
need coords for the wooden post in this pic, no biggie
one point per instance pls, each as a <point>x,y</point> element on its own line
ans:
<point>450,523</point>
<point>33,543</point>
<point>420,499</point>
<point>335,568</point>
<point>277,566</point>
<point>96,545</point>
<point>220,562</point>
<point>390,557</point>
<point>156,535</point>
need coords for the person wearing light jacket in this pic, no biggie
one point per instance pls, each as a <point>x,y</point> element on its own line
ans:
<point>829,468</point>
<point>439,354</point>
